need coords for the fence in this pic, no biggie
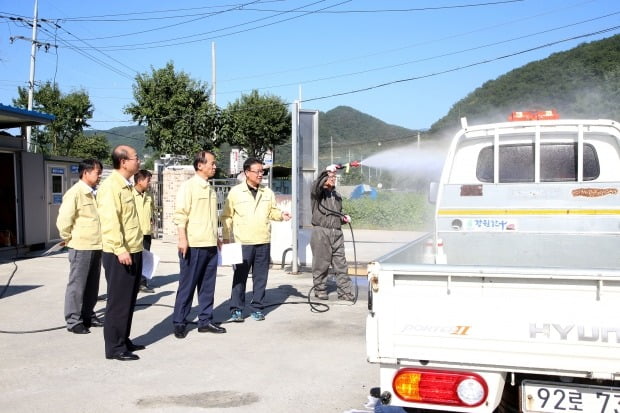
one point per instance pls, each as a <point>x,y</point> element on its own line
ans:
<point>158,189</point>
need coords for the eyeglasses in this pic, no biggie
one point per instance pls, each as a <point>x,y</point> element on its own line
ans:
<point>135,158</point>
<point>257,172</point>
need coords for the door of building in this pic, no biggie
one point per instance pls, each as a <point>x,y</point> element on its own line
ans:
<point>8,211</point>
<point>57,184</point>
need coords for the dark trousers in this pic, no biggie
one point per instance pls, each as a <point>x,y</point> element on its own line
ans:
<point>255,258</point>
<point>123,282</point>
<point>198,271</point>
<point>146,244</point>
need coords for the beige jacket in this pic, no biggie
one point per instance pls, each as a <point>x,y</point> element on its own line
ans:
<point>248,218</point>
<point>78,219</point>
<point>144,207</point>
<point>196,211</point>
<point>120,225</point>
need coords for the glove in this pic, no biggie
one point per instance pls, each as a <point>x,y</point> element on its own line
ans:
<point>346,219</point>
<point>332,168</point>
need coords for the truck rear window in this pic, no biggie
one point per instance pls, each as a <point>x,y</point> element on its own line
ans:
<point>558,163</point>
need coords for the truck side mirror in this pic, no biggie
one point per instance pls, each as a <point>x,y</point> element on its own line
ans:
<point>432,192</point>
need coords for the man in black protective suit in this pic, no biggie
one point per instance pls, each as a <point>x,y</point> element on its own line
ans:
<point>327,241</point>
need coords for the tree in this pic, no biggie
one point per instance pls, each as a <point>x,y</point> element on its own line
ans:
<point>177,113</point>
<point>92,146</point>
<point>257,123</point>
<point>66,133</point>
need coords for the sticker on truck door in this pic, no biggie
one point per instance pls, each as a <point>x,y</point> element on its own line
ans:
<point>489,224</point>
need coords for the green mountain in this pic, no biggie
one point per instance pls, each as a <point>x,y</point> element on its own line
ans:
<point>129,135</point>
<point>583,82</point>
<point>346,134</point>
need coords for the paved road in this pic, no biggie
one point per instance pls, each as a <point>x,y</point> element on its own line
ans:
<point>296,360</point>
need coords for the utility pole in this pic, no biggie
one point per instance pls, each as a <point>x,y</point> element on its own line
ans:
<point>33,52</point>
<point>35,44</point>
<point>213,83</point>
<point>213,91</point>
<point>331,149</point>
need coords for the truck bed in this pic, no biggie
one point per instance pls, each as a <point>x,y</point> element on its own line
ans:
<point>499,318</point>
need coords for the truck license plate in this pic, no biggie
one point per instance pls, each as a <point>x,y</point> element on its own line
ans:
<point>546,397</point>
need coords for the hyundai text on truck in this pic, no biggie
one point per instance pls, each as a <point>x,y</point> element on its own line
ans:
<point>513,303</point>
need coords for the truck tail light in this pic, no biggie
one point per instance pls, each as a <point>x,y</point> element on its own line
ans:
<point>440,387</point>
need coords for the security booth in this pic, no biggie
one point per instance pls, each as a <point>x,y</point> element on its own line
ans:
<point>60,175</point>
<point>23,222</point>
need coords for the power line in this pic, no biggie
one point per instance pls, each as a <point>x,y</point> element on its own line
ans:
<point>416,9</point>
<point>343,75</point>
<point>96,49</point>
<point>70,46</point>
<point>104,17</point>
<point>458,68</point>
<point>157,44</point>
<point>278,13</point>
<point>383,52</point>
<point>85,54</point>
<point>243,7</point>
<point>201,17</point>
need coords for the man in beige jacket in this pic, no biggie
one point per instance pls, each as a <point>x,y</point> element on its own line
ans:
<point>195,215</point>
<point>122,253</point>
<point>144,207</point>
<point>79,228</point>
<point>246,217</point>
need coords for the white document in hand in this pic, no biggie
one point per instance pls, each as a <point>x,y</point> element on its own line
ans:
<point>231,254</point>
<point>149,263</point>
<point>56,247</point>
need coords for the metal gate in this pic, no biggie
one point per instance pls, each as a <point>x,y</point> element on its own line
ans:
<point>221,187</point>
<point>158,206</point>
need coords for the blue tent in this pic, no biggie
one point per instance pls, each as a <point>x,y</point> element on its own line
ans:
<point>363,190</point>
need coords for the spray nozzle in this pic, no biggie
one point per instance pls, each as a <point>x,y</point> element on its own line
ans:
<point>346,166</point>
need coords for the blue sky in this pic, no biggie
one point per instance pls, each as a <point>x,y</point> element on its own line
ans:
<point>404,62</point>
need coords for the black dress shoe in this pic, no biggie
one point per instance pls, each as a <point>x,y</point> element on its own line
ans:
<point>95,322</point>
<point>135,347</point>
<point>179,331</point>
<point>124,356</point>
<point>211,328</point>
<point>79,329</point>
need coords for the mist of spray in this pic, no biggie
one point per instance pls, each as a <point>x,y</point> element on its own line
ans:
<point>410,160</point>
<point>412,168</point>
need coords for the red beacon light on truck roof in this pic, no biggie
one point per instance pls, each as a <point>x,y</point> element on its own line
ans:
<point>534,115</point>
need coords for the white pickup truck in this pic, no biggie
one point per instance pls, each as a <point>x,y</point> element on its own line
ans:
<point>520,312</point>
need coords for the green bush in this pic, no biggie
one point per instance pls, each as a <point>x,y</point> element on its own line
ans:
<point>390,211</point>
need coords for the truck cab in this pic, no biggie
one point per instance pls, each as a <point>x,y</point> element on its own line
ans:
<point>511,304</point>
<point>536,190</point>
